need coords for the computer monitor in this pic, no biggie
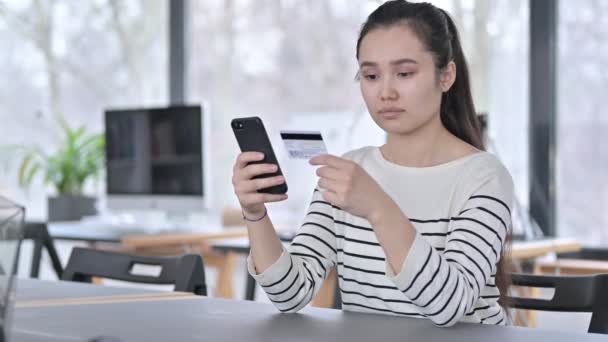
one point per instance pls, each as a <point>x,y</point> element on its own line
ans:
<point>156,159</point>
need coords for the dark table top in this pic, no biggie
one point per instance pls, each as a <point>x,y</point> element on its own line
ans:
<point>208,319</point>
<point>34,289</point>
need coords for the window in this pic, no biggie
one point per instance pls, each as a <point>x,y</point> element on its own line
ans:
<point>293,64</point>
<point>582,148</point>
<point>75,58</point>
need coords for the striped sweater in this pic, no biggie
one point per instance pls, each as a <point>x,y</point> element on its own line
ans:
<point>461,213</point>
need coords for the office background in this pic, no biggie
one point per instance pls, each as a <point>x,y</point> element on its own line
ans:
<point>538,66</point>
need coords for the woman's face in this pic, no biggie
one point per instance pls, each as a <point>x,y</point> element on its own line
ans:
<point>399,81</point>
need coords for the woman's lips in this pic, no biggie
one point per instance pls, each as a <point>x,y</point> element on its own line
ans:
<point>391,113</point>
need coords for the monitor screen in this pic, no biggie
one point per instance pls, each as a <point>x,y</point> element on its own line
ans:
<point>154,151</point>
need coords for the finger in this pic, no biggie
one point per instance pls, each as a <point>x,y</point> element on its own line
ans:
<point>247,157</point>
<point>262,183</point>
<point>253,170</point>
<point>253,185</point>
<point>329,173</point>
<point>330,160</point>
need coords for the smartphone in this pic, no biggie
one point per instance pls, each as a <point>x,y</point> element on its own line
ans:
<point>252,137</point>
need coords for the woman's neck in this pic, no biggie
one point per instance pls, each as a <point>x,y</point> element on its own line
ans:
<point>427,146</point>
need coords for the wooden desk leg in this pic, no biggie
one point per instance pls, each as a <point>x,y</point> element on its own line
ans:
<point>325,297</point>
<point>520,317</point>
<point>97,280</point>
<point>527,318</point>
<point>534,292</point>
<point>226,264</point>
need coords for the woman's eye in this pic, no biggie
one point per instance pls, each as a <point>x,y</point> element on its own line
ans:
<point>405,74</point>
<point>370,77</point>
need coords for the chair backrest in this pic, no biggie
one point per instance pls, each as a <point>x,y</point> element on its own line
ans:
<point>572,294</point>
<point>186,272</point>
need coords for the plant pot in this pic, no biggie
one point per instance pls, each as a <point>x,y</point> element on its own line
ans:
<point>70,208</point>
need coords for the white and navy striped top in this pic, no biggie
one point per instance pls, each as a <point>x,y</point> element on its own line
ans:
<point>461,212</point>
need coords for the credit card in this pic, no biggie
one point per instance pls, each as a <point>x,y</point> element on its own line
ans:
<point>303,144</point>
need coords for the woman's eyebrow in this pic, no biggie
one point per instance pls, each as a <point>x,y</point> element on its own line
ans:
<point>403,61</point>
<point>394,62</point>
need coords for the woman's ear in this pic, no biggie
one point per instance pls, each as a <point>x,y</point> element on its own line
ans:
<point>447,76</point>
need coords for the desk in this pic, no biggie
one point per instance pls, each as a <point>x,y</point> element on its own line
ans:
<point>98,232</point>
<point>207,319</point>
<point>152,240</point>
<point>520,250</point>
<point>241,246</point>
<point>33,290</point>
<point>91,233</point>
<point>533,249</point>
<point>36,293</point>
<point>77,231</point>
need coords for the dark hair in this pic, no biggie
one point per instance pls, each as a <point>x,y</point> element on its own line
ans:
<point>438,33</point>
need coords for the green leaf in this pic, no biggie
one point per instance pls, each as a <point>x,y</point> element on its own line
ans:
<point>23,169</point>
<point>33,172</point>
<point>79,157</point>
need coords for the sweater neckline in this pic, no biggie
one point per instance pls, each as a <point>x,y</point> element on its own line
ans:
<point>377,154</point>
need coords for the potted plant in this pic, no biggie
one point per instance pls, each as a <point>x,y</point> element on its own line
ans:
<point>78,158</point>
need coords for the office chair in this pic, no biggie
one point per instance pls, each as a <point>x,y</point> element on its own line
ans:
<point>572,294</point>
<point>185,272</point>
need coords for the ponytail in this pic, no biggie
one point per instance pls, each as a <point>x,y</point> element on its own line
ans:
<point>457,109</point>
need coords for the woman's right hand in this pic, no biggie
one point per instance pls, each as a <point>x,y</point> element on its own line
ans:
<point>245,188</point>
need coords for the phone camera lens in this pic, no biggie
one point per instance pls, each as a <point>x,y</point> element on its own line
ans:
<point>237,124</point>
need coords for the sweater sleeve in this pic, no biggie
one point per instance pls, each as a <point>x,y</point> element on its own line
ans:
<point>445,285</point>
<point>296,277</point>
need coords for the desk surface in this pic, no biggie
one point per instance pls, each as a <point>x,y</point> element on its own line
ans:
<point>519,249</point>
<point>207,319</point>
<point>100,232</point>
<point>536,248</point>
<point>28,289</point>
<point>78,231</point>
<point>74,231</point>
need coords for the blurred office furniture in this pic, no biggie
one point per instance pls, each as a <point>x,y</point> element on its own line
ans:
<point>39,234</point>
<point>572,294</point>
<point>196,243</point>
<point>186,272</point>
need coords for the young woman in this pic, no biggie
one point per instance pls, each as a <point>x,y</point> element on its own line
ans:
<point>416,227</point>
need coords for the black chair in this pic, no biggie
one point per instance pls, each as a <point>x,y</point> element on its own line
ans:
<point>39,234</point>
<point>572,294</point>
<point>185,272</point>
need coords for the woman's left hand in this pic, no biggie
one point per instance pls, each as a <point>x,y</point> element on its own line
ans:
<point>348,186</point>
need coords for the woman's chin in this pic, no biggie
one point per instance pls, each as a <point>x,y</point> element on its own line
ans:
<point>396,127</point>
